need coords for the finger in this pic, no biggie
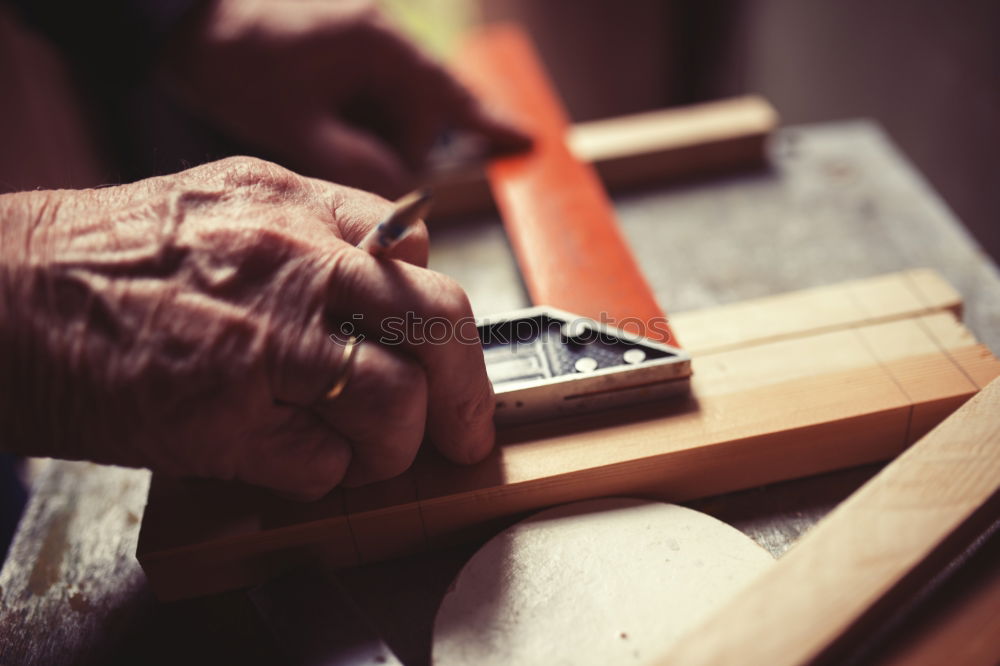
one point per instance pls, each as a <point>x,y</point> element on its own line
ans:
<point>428,316</point>
<point>382,411</point>
<point>504,135</point>
<point>302,458</point>
<point>356,213</point>
<point>458,108</point>
<point>339,153</point>
<point>426,99</point>
<point>303,359</point>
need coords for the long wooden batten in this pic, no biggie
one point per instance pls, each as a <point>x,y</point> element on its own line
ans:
<point>856,385</point>
<point>820,599</point>
<point>653,147</point>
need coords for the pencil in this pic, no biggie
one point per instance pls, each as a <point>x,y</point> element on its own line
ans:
<point>407,211</point>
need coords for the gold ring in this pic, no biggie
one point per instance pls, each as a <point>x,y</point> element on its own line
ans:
<point>345,369</point>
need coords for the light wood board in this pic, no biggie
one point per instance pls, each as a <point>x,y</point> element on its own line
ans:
<point>854,386</point>
<point>653,147</point>
<point>891,535</point>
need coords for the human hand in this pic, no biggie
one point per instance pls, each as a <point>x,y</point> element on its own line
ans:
<point>182,323</point>
<point>330,88</point>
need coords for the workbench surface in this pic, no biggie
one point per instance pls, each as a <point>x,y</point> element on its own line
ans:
<point>840,203</point>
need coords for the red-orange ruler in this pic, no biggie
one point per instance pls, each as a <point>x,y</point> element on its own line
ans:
<point>558,216</point>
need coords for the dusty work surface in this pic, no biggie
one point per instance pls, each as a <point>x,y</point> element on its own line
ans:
<point>841,203</point>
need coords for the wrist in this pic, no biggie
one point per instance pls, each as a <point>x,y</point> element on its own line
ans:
<point>42,411</point>
<point>18,220</point>
<point>21,221</point>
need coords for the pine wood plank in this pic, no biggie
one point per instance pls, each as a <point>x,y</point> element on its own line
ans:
<point>844,573</point>
<point>960,345</point>
<point>776,409</point>
<point>629,151</point>
<point>385,518</point>
<point>869,300</point>
<point>844,398</point>
<point>895,344</point>
<point>700,139</point>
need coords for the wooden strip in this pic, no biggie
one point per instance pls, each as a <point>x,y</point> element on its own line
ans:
<point>749,406</point>
<point>779,410</point>
<point>385,518</point>
<point>653,147</point>
<point>679,142</point>
<point>895,344</point>
<point>976,360</point>
<point>932,288</point>
<point>558,217</point>
<point>829,308</point>
<point>842,573</point>
<point>717,444</point>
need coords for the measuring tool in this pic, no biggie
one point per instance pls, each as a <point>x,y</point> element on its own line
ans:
<point>544,363</point>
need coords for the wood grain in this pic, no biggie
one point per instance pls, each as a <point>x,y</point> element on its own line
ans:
<point>851,392</point>
<point>695,140</point>
<point>871,300</point>
<point>842,574</point>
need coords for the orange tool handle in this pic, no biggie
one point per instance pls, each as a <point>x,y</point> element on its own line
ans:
<point>557,214</point>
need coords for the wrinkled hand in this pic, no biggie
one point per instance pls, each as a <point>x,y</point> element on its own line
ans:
<point>182,323</point>
<point>330,88</point>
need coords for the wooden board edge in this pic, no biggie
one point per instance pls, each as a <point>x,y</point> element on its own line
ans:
<point>868,549</point>
<point>929,293</point>
<point>880,433</point>
<point>697,140</point>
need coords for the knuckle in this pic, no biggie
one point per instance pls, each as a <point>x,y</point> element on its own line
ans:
<point>324,471</point>
<point>242,172</point>
<point>351,208</point>
<point>400,460</point>
<point>389,390</point>
<point>247,163</point>
<point>450,300</point>
<point>479,406</point>
<point>344,273</point>
<point>405,390</point>
<point>392,432</point>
